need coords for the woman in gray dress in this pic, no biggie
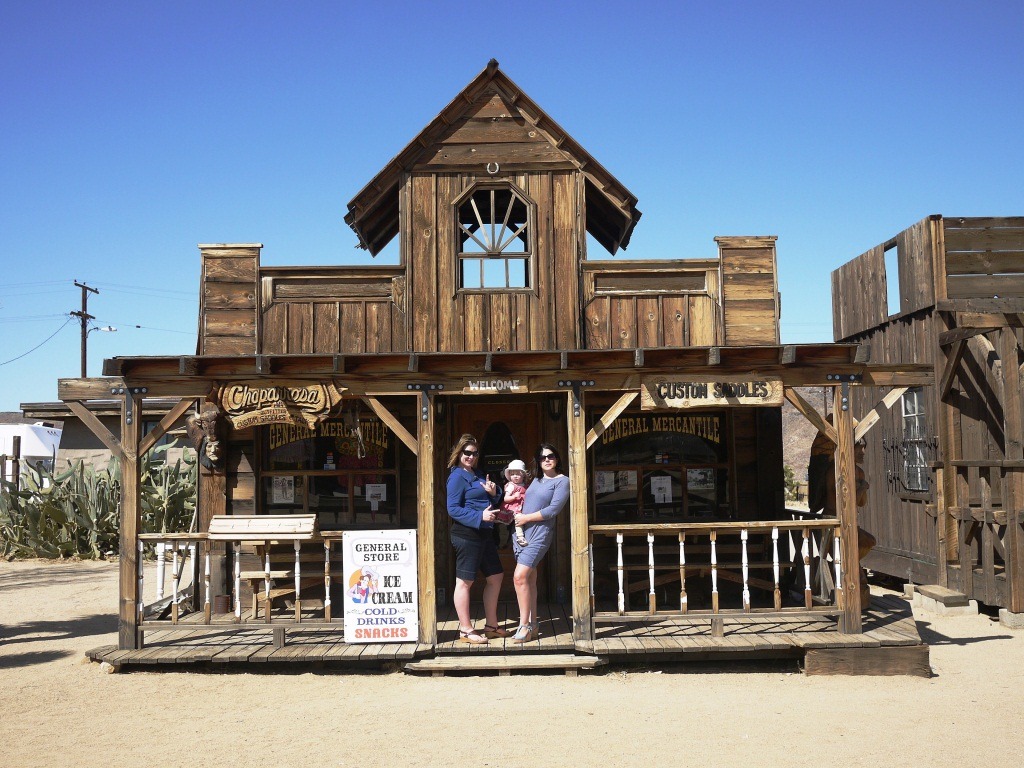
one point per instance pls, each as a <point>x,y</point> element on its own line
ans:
<point>545,498</point>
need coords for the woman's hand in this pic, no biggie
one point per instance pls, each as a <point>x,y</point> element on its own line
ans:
<point>489,487</point>
<point>488,514</point>
<point>519,519</point>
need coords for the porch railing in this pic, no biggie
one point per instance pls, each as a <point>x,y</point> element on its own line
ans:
<point>273,578</point>
<point>803,551</point>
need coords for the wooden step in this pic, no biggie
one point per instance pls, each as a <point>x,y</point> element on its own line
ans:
<point>947,597</point>
<point>505,665</point>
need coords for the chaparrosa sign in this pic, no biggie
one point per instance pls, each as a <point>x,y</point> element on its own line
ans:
<point>251,405</point>
<point>701,392</point>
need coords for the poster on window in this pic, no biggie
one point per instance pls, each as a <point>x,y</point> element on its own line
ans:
<point>375,494</point>
<point>381,597</point>
<point>661,487</point>
<point>700,479</point>
<point>626,479</point>
<point>604,482</point>
<point>282,490</point>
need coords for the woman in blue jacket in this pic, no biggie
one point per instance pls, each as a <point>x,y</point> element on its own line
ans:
<point>472,503</point>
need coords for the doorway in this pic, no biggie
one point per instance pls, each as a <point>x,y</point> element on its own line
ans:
<point>506,431</point>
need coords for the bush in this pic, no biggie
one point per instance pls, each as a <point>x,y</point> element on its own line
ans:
<point>77,513</point>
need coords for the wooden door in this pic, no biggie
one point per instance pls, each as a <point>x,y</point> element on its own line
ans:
<point>505,431</point>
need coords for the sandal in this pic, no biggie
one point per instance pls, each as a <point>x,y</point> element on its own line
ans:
<point>471,636</point>
<point>523,634</point>
<point>495,632</point>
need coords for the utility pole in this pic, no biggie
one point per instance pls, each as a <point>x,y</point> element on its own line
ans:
<point>84,317</point>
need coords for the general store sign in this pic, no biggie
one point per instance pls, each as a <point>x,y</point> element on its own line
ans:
<point>381,596</point>
<point>250,405</point>
<point>693,392</point>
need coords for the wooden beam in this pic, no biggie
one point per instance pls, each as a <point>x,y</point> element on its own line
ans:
<point>394,424</point>
<point>810,413</point>
<point>788,356</point>
<point>957,334</point>
<point>949,370</point>
<point>846,511</point>
<point>981,319</point>
<point>128,635</point>
<point>97,428</point>
<point>1013,479</point>
<point>871,418</point>
<point>165,424</point>
<point>609,417</point>
<point>579,530</point>
<point>425,526</point>
<point>88,389</point>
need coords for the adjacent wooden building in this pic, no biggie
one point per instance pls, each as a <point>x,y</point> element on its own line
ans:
<point>945,466</point>
<point>341,390</point>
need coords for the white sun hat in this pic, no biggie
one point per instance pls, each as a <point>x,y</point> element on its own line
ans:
<point>514,466</point>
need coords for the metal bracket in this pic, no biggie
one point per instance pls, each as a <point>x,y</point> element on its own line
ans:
<point>576,386</point>
<point>129,401</point>
<point>844,400</point>
<point>423,388</point>
<point>838,377</point>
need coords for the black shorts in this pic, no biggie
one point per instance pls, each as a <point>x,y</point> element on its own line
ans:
<point>475,551</point>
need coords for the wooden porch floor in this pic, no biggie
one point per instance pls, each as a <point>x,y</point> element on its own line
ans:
<point>889,644</point>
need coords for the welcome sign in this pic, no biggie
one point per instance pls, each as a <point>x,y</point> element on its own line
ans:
<point>698,392</point>
<point>381,594</point>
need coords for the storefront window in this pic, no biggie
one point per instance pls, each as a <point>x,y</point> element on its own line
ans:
<point>343,473</point>
<point>663,468</point>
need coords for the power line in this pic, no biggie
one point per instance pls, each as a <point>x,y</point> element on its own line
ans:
<point>37,346</point>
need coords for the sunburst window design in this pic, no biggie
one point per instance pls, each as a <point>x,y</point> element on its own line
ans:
<point>495,239</point>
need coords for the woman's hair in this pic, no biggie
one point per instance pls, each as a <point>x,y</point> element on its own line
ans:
<point>462,442</point>
<point>538,470</point>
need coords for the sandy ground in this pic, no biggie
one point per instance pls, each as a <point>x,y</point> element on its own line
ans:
<point>61,710</point>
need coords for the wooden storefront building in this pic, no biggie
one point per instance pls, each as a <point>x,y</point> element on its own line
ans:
<point>946,467</point>
<point>341,390</point>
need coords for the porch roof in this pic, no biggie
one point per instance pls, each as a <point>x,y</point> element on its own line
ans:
<point>396,373</point>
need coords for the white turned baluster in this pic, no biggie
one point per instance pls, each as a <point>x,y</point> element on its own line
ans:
<point>238,581</point>
<point>805,551</point>
<point>298,583</point>
<point>327,580</point>
<point>775,568</point>
<point>682,572</point>
<point>838,561</point>
<point>745,565</point>
<point>176,580</point>
<point>160,547</point>
<point>714,571</point>
<point>140,608</point>
<point>206,582</point>
<point>266,581</point>
<point>651,599</point>
<point>622,597</point>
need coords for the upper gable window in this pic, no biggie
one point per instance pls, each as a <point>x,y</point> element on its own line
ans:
<point>496,239</point>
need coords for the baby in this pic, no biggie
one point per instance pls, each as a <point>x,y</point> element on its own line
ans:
<point>515,490</point>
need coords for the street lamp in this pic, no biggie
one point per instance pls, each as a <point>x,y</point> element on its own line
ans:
<point>105,329</point>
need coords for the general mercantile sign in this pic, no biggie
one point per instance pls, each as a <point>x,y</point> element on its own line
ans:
<point>700,392</point>
<point>249,404</point>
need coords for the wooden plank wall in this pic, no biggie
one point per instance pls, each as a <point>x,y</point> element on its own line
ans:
<point>984,257</point>
<point>228,319</point>
<point>916,260</point>
<point>650,304</point>
<point>344,310</point>
<point>444,319</point>
<point>750,294</point>
<point>859,295</point>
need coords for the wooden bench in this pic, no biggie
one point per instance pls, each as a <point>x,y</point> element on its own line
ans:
<point>265,531</point>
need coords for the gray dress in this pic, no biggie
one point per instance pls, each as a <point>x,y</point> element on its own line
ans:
<point>547,496</point>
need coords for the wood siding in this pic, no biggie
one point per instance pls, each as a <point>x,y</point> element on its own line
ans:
<point>750,294</point>
<point>228,317</point>
<point>984,257</point>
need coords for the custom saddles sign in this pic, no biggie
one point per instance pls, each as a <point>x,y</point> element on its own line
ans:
<point>702,392</point>
<point>250,405</point>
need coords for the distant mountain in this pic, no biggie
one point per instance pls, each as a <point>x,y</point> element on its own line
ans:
<point>798,433</point>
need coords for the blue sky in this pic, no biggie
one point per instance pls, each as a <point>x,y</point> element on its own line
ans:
<point>130,132</point>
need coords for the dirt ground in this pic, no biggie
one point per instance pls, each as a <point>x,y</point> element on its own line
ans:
<point>62,710</point>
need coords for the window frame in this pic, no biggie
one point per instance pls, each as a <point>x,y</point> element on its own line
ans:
<point>528,257</point>
<point>911,422</point>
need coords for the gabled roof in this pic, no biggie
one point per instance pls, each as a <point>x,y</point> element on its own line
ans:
<point>611,208</point>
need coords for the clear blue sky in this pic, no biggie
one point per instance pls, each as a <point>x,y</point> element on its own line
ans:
<point>130,132</point>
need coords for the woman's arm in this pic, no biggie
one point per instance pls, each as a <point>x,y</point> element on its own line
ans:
<point>559,496</point>
<point>457,487</point>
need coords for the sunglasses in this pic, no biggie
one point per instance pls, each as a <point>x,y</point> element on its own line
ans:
<point>470,453</point>
<point>548,457</point>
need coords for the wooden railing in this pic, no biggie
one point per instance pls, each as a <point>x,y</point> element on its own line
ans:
<point>805,544</point>
<point>275,578</point>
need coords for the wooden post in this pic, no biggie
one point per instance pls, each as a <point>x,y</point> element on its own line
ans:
<point>425,520</point>
<point>212,499</point>
<point>1013,478</point>
<point>946,526</point>
<point>128,635</point>
<point>16,462</point>
<point>846,510</point>
<point>579,528</point>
